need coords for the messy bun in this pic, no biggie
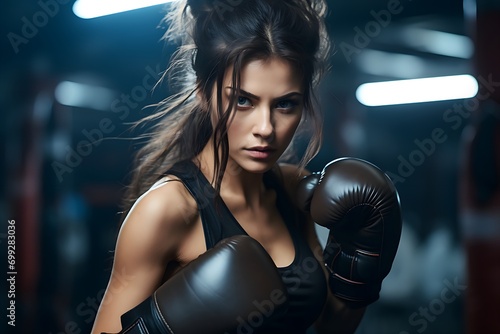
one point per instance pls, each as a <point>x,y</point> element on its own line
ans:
<point>199,7</point>
<point>217,35</point>
<point>182,16</point>
<point>195,23</point>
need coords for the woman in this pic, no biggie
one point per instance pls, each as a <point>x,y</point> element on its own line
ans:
<point>246,72</point>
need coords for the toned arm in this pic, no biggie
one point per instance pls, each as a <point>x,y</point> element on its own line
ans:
<point>148,240</point>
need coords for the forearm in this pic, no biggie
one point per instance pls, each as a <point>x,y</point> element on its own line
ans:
<point>338,317</point>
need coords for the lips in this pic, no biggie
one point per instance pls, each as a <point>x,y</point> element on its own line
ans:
<point>260,152</point>
<point>261,148</point>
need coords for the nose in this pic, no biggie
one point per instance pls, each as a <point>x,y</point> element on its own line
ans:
<point>264,124</point>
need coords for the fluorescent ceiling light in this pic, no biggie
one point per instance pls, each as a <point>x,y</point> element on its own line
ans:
<point>470,9</point>
<point>417,90</point>
<point>438,42</point>
<point>80,95</point>
<point>395,65</point>
<point>89,9</point>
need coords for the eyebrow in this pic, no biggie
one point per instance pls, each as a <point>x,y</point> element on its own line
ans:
<point>255,97</point>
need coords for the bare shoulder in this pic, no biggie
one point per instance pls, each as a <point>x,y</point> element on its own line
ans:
<point>149,239</point>
<point>166,200</point>
<point>159,219</point>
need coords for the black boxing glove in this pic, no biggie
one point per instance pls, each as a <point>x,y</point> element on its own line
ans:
<point>217,293</point>
<point>360,205</point>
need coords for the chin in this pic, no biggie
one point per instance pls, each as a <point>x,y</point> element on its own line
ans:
<point>253,166</point>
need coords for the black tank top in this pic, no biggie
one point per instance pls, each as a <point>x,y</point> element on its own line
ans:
<point>304,278</point>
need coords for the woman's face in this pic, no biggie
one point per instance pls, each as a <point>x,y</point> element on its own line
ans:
<point>269,109</point>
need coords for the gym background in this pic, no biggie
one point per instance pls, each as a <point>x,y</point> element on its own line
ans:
<point>70,87</point>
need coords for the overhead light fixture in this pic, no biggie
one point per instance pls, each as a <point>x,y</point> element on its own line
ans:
<point>75,94</point>
<point>417,90</point>
<point>439,42</point>
<point>390,64</point>
<point>89,9</point>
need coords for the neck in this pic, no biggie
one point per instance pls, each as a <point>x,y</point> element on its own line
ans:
<point>238,185</point>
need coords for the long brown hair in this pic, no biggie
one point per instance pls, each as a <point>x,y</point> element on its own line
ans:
<point>213,36</point>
